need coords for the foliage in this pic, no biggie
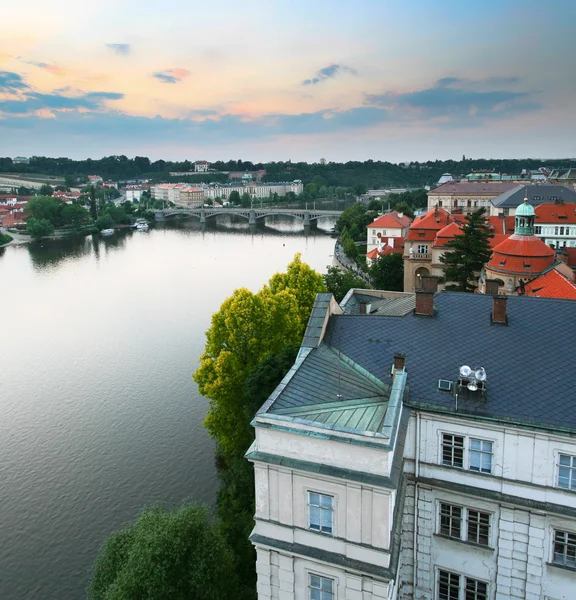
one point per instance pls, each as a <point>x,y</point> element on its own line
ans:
<point>46,190</point>
<point>304,283</point>
<point>57,212</point>
<point>39,228</point>
<point>92,202</point>
<point>355,220</point>
<point>234,197</point>
<point>24,191</point>
<point>387,272</point>
<point>5,238</point>
<point>247,328</point>
<point>340,281</point>
<point>104,221</point>
<point>178,554</point>
<point>467,253</point>
<point>349,245</point>
<point>246,200</point>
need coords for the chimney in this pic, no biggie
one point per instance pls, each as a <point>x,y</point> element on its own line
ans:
<point>499,315</point>
<point>424,303</point>
<point>399,360</point>
<point>428,283</point>
<point>491,287</point>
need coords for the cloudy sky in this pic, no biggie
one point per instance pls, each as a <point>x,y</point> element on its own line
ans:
<point>288,79</point>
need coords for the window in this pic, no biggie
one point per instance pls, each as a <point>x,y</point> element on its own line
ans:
<point>480,456</point>
<point>564,548</point>
<point>321,512</point>
<point>464,524</point>
<point>448,586</point>
<point>321,588</point>
<point>422,249</point>
<point>452,586</point>
<point>552,198</point>
<point>535,198</point>
<point>452,450</point>
<point>567,472</point>
<point>538,230</point>
<point>450,520</point>
<point>478,527</point>
<point>561,230</point>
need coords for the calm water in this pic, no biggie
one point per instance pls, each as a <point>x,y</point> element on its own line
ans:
<point>99,414</point>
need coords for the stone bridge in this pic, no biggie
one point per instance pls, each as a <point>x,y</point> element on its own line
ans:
<point>252,215</point>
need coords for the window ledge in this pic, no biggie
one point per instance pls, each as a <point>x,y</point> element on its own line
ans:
<point>564,567</point>
<point>465,542</point>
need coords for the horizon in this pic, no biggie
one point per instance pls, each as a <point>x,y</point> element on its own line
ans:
<point>382,80</point>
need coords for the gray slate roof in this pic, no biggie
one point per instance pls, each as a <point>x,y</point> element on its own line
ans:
<point>328,389</point>
<point>536,194</point>
<point>394,307</point>
<point>530,363</point>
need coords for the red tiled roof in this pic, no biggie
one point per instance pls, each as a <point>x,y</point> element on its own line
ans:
<point>521,254</point>
<point>551,284</point>
<point>571,254</point>
<point>555,213</point>
<point>425,227</point>
<point>391,220</point>
<point>446,234</point>
<point>476,188</point>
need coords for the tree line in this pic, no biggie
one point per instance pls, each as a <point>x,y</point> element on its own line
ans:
<point>357,175</point>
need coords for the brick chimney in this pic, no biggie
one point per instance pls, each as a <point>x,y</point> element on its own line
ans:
<point>492,287</point>
<point>499,315</point>
<point>424,303</point>
<point>399,361</point>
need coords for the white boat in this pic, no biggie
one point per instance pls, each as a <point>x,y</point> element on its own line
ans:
<point>142,226</point>
<point>107,232</point>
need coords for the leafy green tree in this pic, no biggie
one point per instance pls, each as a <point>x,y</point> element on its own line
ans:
<point>69,181</point>
<point>349,245</point>
<point>178,554</point>
<point>39,228</point>
<point>92,202</point>
<point>304,283</point>
<point>104,221</point>
<point>355,219</point>
<point>246,200</point>
<point>387,272</point>
<point>24,191</point>
<point>5,238</point>
<point>402,207</point>
<point>74,214</point>
<point>234,197</point>
<point>46,207</point>
<point>247,328</point>
<point>46,190</point>
<point>466,254</point>
<point>340,281</point>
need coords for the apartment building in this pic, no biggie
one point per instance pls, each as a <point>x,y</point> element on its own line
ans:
<point>385,227</point>
<point>506,203</point>
<point>431,456</point>
<point>463,197</point>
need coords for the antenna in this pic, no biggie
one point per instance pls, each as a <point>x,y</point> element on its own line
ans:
<point>480,374</point>
<point>465,371</point>
<point>339,394</point>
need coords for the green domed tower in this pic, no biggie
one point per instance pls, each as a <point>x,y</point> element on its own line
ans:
<point>524,224</point>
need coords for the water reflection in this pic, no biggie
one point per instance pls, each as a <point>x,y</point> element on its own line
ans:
<point>47,254</point>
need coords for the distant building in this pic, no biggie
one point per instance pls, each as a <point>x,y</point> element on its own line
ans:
<point>110,184</point>
<point>555,224</point>
<point>445,178</point>
<point>551,284</point>
<point>201,166</point>
<point>463,197</point>
<point>191,196</point>
<point>322,161</point>
<point>21,160</point>
<point>133,193</point>
<point>390,225</point>
<point>242,175</point>
<point>94,179</point>
<point>506,202</point>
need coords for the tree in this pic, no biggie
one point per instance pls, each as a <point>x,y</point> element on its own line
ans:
<point>246,200</point>
<point>104,221</point>
<point>92,202</point>
<point>24,191</point>
<point>178,554</point>
<point>354,219</point>
<point>247,328</point>
<point>39,228</point>
<point>467,253</point>
<point>387,272</point>
<point>46,190</point>
<point>234,197</point>
<point>340,281</point>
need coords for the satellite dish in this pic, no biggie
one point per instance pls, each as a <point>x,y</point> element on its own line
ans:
<point>472,386</point>
<point>465,371</point>
<point>481,374</point>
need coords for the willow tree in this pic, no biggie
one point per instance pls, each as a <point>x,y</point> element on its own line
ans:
<point>248,328</point>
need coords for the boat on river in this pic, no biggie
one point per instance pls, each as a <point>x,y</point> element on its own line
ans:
<point>107,232</point>
<point>142,226</point>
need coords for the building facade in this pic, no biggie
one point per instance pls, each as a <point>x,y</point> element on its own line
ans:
<point>463,197</point>
<point>385,227</point>
<point>396,471</point>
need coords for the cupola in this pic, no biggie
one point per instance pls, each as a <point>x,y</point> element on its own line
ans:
<point>525,214</point>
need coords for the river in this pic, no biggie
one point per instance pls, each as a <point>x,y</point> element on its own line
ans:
<point>99,413</point>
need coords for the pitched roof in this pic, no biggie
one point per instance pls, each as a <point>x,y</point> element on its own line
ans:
<point>435,348</point>
<point>555,213</point>
<point>536,194</point>
<point>427,225</point>
<point>391,220</point>
<point>446,234</point>
<point>472,188</point>
<point>551,284</point>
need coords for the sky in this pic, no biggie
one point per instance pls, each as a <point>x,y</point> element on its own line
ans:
<point>267,80</point>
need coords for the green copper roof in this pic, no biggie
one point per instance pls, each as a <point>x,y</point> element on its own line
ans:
<point>525,209</point>
<point>331,390</point>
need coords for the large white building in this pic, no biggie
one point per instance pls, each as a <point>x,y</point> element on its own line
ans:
<point>385,468</point>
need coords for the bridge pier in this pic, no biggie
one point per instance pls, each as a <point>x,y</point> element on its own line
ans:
<point>202,216</point>
<point>252,220</point>
<point>159,216</point>
<point>306,219</point>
